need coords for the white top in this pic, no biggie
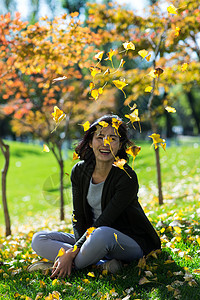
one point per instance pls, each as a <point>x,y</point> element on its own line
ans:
<point>94,198</point>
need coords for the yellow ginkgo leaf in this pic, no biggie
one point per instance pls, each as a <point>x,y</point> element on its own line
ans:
<point>85,280</point>
<point>129,46</point>
<point>94,71</point>
<point>75,156</point>
<point>74,248</point>
<point>107,140</point>
<point>148,89</point>
<point>91,274</point>
<point>184,67</point>
<point>58,115</point>
<point>86,125</point>
<point>99,55</point>
<point>143,53</point>
<point>103,124</point>
<point>115,235</point>
<point>133,116</point>
<point>120,85</point>
<point>89,231</point>
<point>110,56</point>
<point>91,85</point>
<point>152,74</point>
<point>198,240</point>
<point>60,253</point>
<point>45,148</point>
<point>120,164</point>
<point>177,229</point>
<point>170,109</point>
<point>158,140</point>
<point>95,94</point>
<point>133,150</point>
<point>172,9</point>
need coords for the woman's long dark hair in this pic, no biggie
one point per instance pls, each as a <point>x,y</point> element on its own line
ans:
<point>86,153</point>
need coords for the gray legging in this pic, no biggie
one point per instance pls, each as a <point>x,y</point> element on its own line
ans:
<point>101,244</point>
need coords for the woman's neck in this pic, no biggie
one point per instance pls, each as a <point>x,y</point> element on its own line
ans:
<point>101,172</point>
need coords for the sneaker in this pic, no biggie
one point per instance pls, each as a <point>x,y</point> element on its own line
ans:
<point>112,266</point>
<point>40,265</point>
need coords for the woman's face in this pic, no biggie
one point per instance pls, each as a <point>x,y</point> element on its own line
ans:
<point>105,152</point>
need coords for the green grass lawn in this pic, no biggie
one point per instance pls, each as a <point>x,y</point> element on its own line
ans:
<point>171,274</point>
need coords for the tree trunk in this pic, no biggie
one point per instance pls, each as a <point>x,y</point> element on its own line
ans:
<point>62,213</point>
<point>6,153</point>
<point>191,101</point>
<point>159,181</point>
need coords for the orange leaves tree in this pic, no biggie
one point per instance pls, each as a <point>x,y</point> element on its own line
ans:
<point>32,57</point>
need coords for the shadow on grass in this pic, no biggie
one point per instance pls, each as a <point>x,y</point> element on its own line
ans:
<point>166,275</point>
<point>25,152</point>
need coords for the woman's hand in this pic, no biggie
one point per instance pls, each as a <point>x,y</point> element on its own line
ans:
<point>63,265</point>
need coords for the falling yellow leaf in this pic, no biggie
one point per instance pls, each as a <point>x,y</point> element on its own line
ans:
<point>74,248</point>
<point>152,74</point>
<point>116,123</point>
<point>120,164</point>
<point>184,67</point>
<point>196,271</point>
<point>133,116</point>
<point>170,109</point>
<point>148,57</point>
<point>94,71</point>
<point>172,9</point>
<point>148,89</point>
<point>157,140</point>
<point>61,252</point>
<point>103,124</point>
<point>91,85</point>
<point>86,125</point>
<point>45,148</point>
<point>75,156</point>
<point>58,115</point>
<point>107,71</point>
<point>198,240</point>
<point>110,56</point>
<point>158,71</point>
<point>59,79</point>
<point>120,85</point>
<point>99,55</point>
<point>129,46</point>
<point>89,231</point>
<point>95,94</point>
<point>133,151</point>
<point>115,235</point>
<point>143,53</point>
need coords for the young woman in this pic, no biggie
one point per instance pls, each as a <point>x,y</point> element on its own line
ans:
<point>105,201</point>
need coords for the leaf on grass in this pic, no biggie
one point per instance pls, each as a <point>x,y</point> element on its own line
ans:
<point>45,148</point>
<point>177,229</point>
<point>59,79</point>
<point>172,9</point>
<point>120,85</point>
<point>85,280</point>
<point>143,280</point>
<point>104,272</point>
<point>169,261</point>
<point>169,288</point>
<point>129,46</point>
<point>91,274</point>
<point>198,240</point>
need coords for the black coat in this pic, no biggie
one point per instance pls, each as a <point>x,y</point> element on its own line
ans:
<point>120,207</point>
